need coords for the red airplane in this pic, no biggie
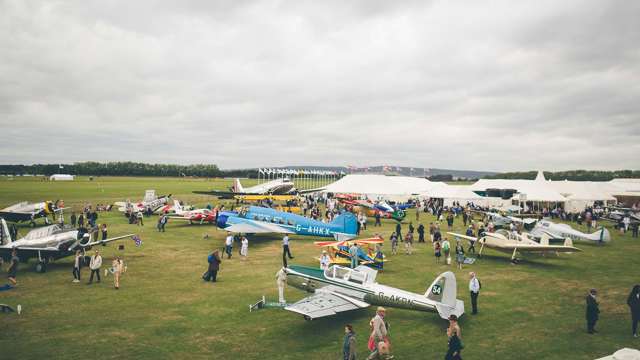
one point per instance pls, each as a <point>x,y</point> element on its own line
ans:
<point>194,216</point>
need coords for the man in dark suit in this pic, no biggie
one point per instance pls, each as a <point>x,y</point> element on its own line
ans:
<point>593,311</point>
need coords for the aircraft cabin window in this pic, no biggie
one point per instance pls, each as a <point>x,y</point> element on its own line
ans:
<point>342,273</point>
<point>290,222</point>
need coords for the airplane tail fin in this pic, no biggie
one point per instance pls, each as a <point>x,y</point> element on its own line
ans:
<point>5,235</point>
<point>544,239</point>
<point>237,187</point>
<point>177,207</point>
<point>601,235</point>
<point>443,291</point>
<point>347,222</point>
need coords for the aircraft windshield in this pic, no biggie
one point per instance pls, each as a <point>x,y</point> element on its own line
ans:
<point>43,232</point>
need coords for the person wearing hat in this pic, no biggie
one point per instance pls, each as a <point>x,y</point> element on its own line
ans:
<point>593,311</point>
<point>455,339</point>
<point>325,260</point>
<point>378,333</point>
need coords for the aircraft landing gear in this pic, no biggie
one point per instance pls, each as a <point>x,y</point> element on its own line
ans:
<point>41,267</point>
<point>306,317</point>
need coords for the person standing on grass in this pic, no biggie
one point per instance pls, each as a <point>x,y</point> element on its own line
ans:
<point>437,251</point>
<point>12,273</point>
<point>474,290</point>
<point>325,260</point>
<point>74,219</point>
<point>432,231</point>
<point>103,229</point>
<point>459,254</point>
<point>408,243</point>
<point>349,344</point>
<point>353,254</point>
<point>420,233</point>
<point>281,281</point>
<point>394,243</point>
<point>94,265</point>
<point>634,229</point>
<point>446,248</point>
<point>118,268</point>
<point>140,218</point>
<point>81,220</point>
<point>399,231</point>
<point>76,267</point>
<point>228,245</point>
<point>472,244</point>
<point>455,340</point>
<point>244,247</point>
<point>379,333</point>
<point>634,305</point>
<point>593,311</point>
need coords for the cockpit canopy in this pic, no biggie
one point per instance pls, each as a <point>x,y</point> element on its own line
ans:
<point>359,275</point>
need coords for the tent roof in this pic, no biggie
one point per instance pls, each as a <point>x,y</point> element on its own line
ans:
<point>446,191</point>
<point>379,184</point>
<point>536,190</point>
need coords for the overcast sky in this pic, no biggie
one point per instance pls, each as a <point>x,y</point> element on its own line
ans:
<point>500,85</point>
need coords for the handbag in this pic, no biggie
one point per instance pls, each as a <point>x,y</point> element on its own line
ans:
<point>371,345</point>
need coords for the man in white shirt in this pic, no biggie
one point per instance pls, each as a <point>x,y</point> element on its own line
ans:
<point>281,281</point>
<point>228,245</point>
<point>325,260</point>
<point>474,289</point>
<point>285,249</point>
<point>94,265</point>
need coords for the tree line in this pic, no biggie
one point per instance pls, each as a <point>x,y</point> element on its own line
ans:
<point>575,175</point>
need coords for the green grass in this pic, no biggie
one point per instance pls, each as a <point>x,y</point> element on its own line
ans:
<point>164,310</point>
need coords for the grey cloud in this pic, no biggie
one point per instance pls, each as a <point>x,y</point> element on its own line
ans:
<point>495,86</point>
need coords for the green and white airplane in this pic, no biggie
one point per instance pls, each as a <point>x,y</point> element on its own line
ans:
<point>338,289</point>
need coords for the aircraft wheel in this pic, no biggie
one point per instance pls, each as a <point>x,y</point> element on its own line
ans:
<point>41,267</point>
<point>307,318</point>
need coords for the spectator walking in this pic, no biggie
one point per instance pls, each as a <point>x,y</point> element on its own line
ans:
<point>140,218</point>
<point>118,268</point>
<point>349,344</point>
<point>214,265</point>
<point>286,251</point>
<point>162,221</point>
<point>81,220</point>
<point>103,230</point>
<point>379,333</point>
<point>432,231</point>
<point>474,290</point>
<point>593,311</point>
<point>472,244</point>
<point>76,267</point>
<point>420,233</point>
<point>94,265</point>
<point>244,247</point>
<point>634,305</point>
<point>377,217</point>
<point>399,231</point>
<point>455,340</point>
<point>228,245</point>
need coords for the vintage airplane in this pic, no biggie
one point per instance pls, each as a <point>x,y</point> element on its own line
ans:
<point>338,289</point>
<point>256,220</point>
<point>283,186</point>
<point>200,216</point>
<point>562,231</point>
<point>385,210</point>
<point>48,243</point>
<point>150,201</point>
<point>619,214</point>
<point>339,252</point>
<point>514,243</point>
<point>503,221</point>
<point>25,211</point>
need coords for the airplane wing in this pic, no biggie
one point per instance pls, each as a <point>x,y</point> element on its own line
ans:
<point>326,302</point>
<point>470,238</point>
<point>539,248</point>
<point>97,242</point>
<point>257,228</point>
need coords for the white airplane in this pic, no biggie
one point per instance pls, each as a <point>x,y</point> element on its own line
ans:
<point>150,200</point>
<point>25,211</point>
<point>338,289</point>
<point>47,244</point>
<point>515,243</point>
<point>563,231</point>
<point>504,221</point>
<point>282,186</point>
<point>196,215</point>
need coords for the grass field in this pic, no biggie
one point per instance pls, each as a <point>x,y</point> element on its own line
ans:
<point>534,310</point>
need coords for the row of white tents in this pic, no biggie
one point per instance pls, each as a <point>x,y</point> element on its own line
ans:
<point>574,195</point>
